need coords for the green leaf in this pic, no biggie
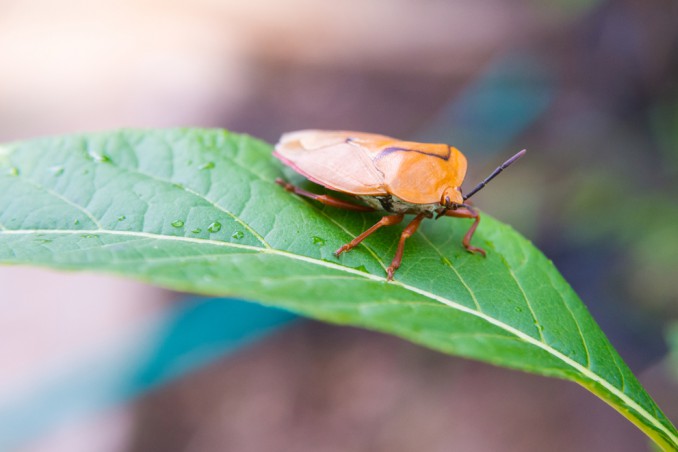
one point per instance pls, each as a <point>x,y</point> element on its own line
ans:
<point>198,211</point>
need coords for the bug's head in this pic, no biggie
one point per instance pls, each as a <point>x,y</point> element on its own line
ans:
<point>451,196</point>
<point>450,200</point>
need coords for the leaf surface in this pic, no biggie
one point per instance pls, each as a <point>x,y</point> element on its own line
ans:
<point>198,211</point>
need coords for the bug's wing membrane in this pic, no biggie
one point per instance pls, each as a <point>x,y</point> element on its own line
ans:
<point>331,159</point>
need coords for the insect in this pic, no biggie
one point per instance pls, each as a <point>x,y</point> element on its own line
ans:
<point>386,174</point>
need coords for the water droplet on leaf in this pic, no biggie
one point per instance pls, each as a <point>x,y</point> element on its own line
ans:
<point>57,170</point>
<point>43,241</point>
<point>121,217</point>
<point>100,157</point>
<point>208,165</point>
<point>445,261</point>
<point>318,240</point>
<point>13,171</point>
<point>361,268</point>
<point>178,223</point>
<point>238,235</point>
<point>214,227</point>
<point>196,231</point>
<point>89,236</point>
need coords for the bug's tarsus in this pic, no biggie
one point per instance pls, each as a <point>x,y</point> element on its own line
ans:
<point>466,211</point>
<point>494,174</point>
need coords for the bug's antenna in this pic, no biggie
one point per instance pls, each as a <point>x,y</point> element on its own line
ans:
<point>494,174</point>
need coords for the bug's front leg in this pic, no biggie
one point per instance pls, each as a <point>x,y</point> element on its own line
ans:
<point>468,212</point>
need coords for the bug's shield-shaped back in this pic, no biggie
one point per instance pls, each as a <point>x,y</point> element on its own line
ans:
<point>361,163</point>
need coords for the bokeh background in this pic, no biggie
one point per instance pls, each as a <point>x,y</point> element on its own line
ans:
<point>590,87</point>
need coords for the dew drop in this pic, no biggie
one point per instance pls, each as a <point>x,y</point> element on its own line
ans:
<point>318,240</point>
<point>76,221</point>
<point>539,326</point>
<point>445,261</point>
<point>214,227</point>
<point>208,165</point>
<point>89,236</point>
<point>57,170</point>
<point>13,171</point>
<point>238,235</point>
<point>103,158</point>
<point>178,223</point>
<point>121,218</point>
<point>518,309</point>
<point>361,268</point>
<point>43,241</point>
<point>196,231</point>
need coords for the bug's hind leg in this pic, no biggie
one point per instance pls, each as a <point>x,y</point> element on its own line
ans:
<point>388,220</point>
<point>409,230</point>
<point>468,212</point>
<point>325,199</point>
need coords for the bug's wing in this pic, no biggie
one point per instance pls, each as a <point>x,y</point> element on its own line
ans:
<point>337,160</point>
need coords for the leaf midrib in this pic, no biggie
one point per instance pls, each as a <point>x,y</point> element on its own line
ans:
<point>593,377</point>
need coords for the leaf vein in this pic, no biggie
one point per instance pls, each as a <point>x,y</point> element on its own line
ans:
<point>463,282</point>
<point>50,192</point>
<point>527,302</point>
<point>616,365</point>
<point>579,330</point>
<point>203,197</point>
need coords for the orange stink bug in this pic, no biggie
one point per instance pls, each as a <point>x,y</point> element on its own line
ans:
<point>398,177</point>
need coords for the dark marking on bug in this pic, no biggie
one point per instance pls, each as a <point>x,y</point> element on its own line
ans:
<point>386,202</point>
<point>393,149</point>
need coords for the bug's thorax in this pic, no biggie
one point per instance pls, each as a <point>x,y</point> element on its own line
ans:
<point>393,204</point>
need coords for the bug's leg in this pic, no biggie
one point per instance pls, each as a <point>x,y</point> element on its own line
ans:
<point>388,220</point>
<point>324,199</point>
<point>409,230</point>
<point>468,212</point>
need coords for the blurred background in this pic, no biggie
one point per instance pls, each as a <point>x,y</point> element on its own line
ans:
<point>590,87</point>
